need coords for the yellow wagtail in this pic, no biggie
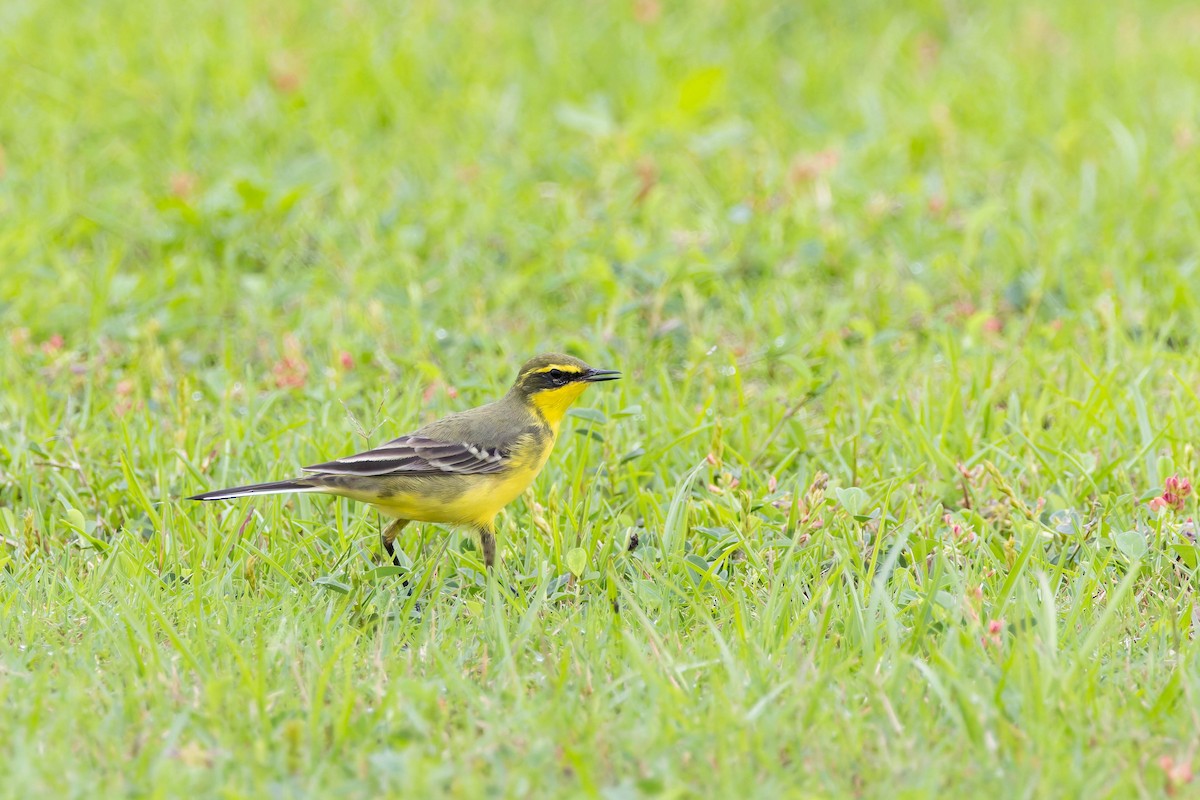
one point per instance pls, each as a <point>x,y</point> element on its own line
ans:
<point>461,469</point>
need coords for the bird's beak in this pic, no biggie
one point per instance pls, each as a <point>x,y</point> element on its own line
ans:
<point>598,375</point>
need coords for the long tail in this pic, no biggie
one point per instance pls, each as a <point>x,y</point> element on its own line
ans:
<point>277,487</point>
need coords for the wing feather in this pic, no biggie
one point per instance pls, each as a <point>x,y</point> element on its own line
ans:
<point>417,455</point>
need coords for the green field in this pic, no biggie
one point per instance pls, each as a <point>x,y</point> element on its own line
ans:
<point>905,297</point>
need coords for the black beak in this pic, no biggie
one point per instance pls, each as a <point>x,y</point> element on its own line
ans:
<point>598,375</point>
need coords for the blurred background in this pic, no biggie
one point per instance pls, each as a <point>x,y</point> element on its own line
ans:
<point>466,183</point>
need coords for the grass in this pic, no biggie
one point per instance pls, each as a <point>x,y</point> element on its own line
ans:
<point>905,301</point>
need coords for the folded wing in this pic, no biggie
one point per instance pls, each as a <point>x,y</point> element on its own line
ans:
<point>417,455</point>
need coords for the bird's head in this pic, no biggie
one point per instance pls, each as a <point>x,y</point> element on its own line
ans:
<point>551,382</point>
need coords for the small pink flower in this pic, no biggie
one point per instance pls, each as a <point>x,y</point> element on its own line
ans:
<point>346,360</point>
<point>1178,772</point>
<point>1178,486</point>
<point>808,167</point>
<point>1176,490</point>
<point>182,185</point>
<point>647,11</point>
<point>724,482</point>
<point>995,628</point>
<point>958,531</point>
<point>124,402</point>
<point>290,373</point>
<point>772,484</point>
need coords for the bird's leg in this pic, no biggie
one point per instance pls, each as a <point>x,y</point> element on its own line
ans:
<point>487,542</point>
<point>389,538</point>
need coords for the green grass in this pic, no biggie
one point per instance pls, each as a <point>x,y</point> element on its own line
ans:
<point>940,256</point>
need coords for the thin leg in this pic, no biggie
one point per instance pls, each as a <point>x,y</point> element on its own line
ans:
<point>487,542</point>
<point>389,538</point>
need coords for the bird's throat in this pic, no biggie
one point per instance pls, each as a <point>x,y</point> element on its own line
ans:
<point>552,404</point>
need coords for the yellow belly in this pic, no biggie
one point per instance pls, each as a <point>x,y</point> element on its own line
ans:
<point>480,500</point>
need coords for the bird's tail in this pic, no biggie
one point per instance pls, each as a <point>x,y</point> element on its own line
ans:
<point>276,487</point>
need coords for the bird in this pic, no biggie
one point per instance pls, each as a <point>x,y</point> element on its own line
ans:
<point>461,469</point>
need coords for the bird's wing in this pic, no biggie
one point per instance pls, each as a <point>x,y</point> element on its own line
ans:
<point>417,455</point>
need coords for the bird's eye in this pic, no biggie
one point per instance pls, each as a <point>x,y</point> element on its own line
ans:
<point>557,375</point>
